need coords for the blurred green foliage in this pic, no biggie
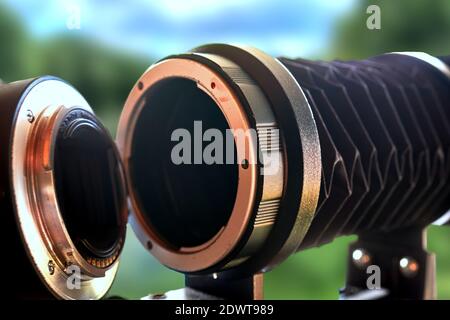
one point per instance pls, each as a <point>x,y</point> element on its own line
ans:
<point>102,74</point>
<point>406,25</point>
<point>106,75</point>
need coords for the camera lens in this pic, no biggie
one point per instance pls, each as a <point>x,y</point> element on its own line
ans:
<point>362,148</point>
<point>197,198</point>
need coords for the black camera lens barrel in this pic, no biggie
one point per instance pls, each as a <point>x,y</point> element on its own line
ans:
<point>385,123</point>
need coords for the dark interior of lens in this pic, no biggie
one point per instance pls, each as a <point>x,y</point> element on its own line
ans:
<point>89,185</point>
<point>187,204</point>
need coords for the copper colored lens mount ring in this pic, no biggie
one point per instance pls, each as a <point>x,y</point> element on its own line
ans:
<point>190,259</point>
<point>271,212</point>
<point>43,105</point>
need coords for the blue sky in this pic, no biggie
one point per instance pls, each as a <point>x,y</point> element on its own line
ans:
<point>159,28</point>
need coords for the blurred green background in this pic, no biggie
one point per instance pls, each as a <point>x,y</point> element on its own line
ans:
<point>116,41</point>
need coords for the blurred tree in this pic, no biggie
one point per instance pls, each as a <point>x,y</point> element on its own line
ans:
<point>14,42</point>
<point>406,25</point>
<point>102,74</point>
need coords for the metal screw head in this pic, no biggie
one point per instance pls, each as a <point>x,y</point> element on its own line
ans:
<point>30,116</point>
<point>245,164</point>
<point>361,258</point>
<point>51,267</point>
<point>409,267</point>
